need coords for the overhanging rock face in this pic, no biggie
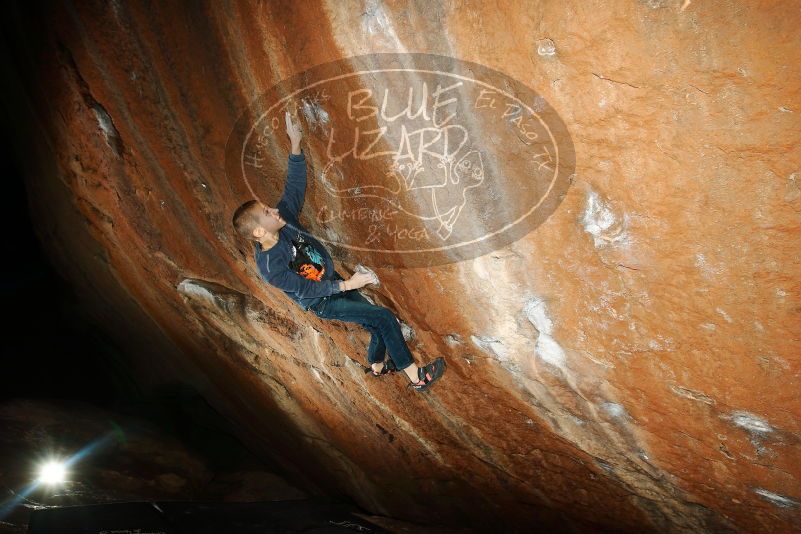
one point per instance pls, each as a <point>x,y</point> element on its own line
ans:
<point>629,360</point>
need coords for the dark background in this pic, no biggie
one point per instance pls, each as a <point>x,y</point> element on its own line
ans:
<point>48,350</point>
<point>51,350</point>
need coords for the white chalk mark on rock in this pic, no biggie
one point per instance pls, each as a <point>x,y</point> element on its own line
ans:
<point>453,340</point>
<point>406,330</point>
<point>750,422</point>
<point>490,345</point>
<point>614,409</point>
<point>546,47</point>
<point>724,315</point>
<point>547,348</point>
<point>693,395</point>
<point>191,288</point>
<point>708,270</point>
<point>781,501</point>
<point>600,221</point>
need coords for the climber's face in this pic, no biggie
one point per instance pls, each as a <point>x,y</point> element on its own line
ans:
<point>268,220</point>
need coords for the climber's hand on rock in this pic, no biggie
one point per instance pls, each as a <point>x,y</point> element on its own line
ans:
<point>293,131</point>
<point>359,280</point>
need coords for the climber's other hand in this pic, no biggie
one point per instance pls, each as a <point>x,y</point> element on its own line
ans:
<point>360,280</point>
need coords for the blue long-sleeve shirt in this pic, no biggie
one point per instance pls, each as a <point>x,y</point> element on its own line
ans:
<point>298,263</point>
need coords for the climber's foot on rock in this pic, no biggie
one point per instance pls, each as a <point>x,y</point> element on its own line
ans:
<point>381,368</point>
<point>429,374</point>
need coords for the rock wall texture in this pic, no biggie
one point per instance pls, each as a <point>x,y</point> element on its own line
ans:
<point>631,363</point>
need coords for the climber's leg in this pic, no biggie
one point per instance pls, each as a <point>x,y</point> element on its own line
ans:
<point>377,350</point>
<point>358,310</point>
<point>410,370</point>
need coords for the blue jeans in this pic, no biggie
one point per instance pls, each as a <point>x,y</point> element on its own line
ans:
<point>352,307</point>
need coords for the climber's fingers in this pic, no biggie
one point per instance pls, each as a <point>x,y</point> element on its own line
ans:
<point>292,129</point>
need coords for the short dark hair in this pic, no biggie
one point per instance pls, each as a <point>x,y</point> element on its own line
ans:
<point>243,220</point>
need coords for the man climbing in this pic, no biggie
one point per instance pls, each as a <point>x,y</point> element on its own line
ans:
<point>289,258</point>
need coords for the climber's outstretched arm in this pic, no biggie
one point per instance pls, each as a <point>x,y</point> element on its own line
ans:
<point>295,186</point>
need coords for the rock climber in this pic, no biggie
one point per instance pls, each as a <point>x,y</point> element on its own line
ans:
<point>289,258</point>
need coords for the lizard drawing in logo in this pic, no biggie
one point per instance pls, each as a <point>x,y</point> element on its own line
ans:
<point>306,261</point>
<point>429,183</point>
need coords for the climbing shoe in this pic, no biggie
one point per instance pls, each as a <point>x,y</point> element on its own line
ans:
<point>429,374</point>
<point>389,367</point>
